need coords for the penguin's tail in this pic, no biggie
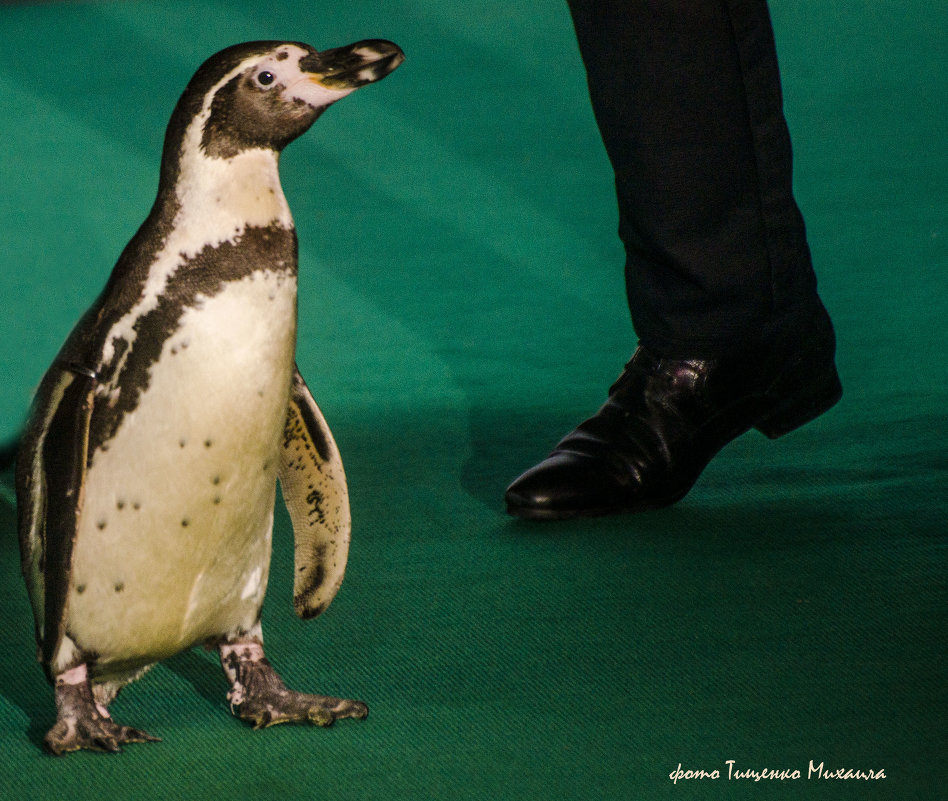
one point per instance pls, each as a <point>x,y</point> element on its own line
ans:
<point>8,455</point>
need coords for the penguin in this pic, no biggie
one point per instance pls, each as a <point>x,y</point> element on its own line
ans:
<point>146,474</point>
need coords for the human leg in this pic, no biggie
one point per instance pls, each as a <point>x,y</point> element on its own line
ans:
<point>720,284</point>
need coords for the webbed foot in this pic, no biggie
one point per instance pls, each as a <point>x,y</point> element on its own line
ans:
<point>83,725</point>
<point>259,696</point>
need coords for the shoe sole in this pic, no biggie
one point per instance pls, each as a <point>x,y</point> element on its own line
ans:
<point>527,513</point>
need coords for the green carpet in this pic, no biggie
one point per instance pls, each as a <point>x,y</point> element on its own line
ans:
<point>461,308</point>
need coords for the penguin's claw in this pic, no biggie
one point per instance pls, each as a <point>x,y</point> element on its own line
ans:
<point>92,734</point>
<point>288,706</point>
<point>259,696</point>
<point>81,725</point>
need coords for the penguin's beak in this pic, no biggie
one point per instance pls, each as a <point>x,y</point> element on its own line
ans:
<point>344,69</point>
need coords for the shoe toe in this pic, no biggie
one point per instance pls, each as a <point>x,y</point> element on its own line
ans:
<point>562,486</point>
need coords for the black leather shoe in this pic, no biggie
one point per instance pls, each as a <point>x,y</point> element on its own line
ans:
<point>666,418</point>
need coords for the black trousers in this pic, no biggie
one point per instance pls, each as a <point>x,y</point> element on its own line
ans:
<point>687,97</point>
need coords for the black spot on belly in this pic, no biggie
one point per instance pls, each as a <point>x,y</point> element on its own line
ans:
<point>185,523</point>
<point>119,586</point>
<point>101,525</point>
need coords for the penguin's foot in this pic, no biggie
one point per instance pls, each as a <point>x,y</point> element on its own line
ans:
<point>82,724</point>
<point>259,696</point>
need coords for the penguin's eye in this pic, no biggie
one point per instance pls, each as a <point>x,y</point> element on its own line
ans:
<point>265,78</point>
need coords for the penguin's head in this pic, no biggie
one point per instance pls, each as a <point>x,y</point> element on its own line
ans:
<point>265,94</point>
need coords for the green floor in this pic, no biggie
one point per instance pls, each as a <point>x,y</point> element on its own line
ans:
<point>461,308</point>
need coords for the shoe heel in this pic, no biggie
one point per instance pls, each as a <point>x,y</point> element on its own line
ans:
<point>800,398</point>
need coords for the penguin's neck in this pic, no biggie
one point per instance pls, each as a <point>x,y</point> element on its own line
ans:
<point>204,203</point>
<point>218,199</point>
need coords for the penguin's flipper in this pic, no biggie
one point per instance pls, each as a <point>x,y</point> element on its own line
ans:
<point>314,490</point>
<point>50,478</point>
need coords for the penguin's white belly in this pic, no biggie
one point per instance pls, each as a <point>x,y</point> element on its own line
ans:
<point>174,539</point>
